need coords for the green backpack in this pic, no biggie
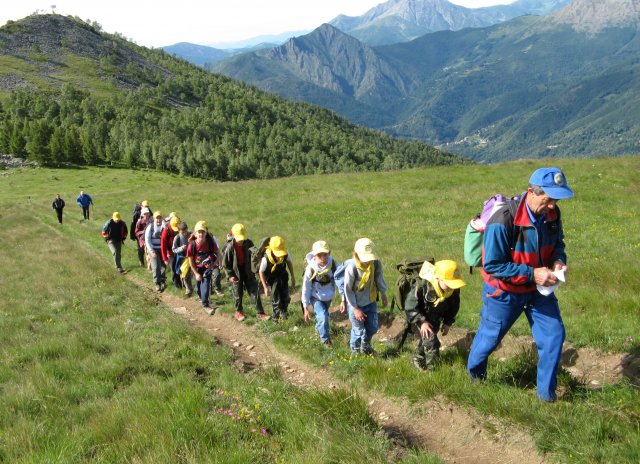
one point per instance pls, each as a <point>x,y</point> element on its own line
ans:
<point>409,269</point>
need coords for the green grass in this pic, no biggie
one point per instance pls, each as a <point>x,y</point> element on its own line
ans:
<point>416,213</point>
<point>92,369</point>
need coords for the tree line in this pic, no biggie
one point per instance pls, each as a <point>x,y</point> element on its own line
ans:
<point>184,120</point>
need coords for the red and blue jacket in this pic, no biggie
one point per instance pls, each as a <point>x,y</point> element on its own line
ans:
<point>514,246</point>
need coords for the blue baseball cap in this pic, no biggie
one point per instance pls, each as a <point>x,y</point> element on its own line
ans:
<point>553,182</point>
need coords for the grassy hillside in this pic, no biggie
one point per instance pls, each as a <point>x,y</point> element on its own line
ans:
<point>92,369</point>
<point>72,94</point>
<point>410,213</point>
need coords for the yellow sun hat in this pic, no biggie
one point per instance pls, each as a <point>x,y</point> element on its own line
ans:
<point>239,232</point>
<point>277,246</point>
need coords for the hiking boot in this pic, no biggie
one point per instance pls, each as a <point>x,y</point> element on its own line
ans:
<point>219,293</point>
<point>163,286</point>
<point>209,310</point>
<point>327,343</point>
<point>158,288</point>
<point>240,316</point>
<point>419,364</point>
<point>188,293</point>
<point>369,351</point>
<point>263,316</point>
<point>120,270</point>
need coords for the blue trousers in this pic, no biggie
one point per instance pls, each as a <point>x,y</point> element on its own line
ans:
<point>496,318</point>
<point>203,288</point>
<point>363,331</point>
<point>321,310</point>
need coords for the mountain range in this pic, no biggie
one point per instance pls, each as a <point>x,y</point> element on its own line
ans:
<point>404,20</point>
<point>563,84</point>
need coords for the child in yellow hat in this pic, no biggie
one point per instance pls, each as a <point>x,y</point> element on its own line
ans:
<point>431,306</point>
<point>275,278</point>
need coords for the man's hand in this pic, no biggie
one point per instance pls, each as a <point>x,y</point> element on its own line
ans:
<point>198,276</point>
<point>307,313</point>
<point>426,330</point>
<point>343,307</point>
<point>359,315</point>
<point>384,301</point>
<point>267,291</point>
<point>543,276</point>
<point>233,279</point>
<point>559,266</point>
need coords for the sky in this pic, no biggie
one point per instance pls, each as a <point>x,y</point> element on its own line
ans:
<point>157,23</point>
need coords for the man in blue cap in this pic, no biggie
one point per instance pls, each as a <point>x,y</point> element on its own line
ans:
<point>523,247</point>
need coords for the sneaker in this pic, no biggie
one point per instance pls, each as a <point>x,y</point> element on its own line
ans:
<point>163,286</point>
<point>327,343</point>
<point>188,293</point>
<point>120,270</point>
<point>209,310</point>
<point>218,293</point>
<point>263,316</point>
<point>240,316</point>
<point>158,288</point>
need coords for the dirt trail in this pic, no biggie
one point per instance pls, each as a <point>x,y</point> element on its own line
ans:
<point>454,433</point>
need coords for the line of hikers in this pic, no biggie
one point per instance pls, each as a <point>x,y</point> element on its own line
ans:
<point>518,242</point>
<point>431,300</point>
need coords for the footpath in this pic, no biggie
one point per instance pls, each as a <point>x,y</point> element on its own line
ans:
<point>454,433</point>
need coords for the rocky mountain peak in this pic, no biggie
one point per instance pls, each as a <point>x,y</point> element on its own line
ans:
<point>592,16</point>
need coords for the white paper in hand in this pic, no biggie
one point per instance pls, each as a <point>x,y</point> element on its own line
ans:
<point>546,291</point>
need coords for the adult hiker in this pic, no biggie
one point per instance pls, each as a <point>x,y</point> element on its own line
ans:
<point>141,226</point>
<point>524,258</point>
<point>275,278</point>
<point>58,206</point>
<point>84,200</point>
<point>152,235</point>
<point>115,233</point>
<point>202,254</point>
<point>363,280</point>
<point>236,262</point>
<point>318,288</point>
<point>431,306</point>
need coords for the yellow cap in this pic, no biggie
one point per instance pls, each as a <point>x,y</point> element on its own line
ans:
<point>175,220</point>
<point>447,271</point>
<point>172,214</point>
<point>239,232</point>
<point>157,214</point>
<point>201,225</point>
<point>277,246</point>
<point>364,250</point>
<point>116,216</point>
<point>144,204</point>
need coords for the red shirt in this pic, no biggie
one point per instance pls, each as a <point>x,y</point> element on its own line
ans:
<point>239,252</point>
<point>200,252</point>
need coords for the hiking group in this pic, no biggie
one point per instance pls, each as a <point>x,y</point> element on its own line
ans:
<point>518,243</point>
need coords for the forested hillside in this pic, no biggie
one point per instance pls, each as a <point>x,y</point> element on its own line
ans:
<point>70,93</point>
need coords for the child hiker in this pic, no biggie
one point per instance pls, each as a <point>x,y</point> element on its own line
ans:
<point>318,288</point>
<point>274,276</point>
<point>236,262</point>
<point>434,301</point>
<point>202,254</point>
<point>363,280</point>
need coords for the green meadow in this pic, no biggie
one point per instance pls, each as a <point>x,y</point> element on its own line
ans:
<point>94,369</point>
